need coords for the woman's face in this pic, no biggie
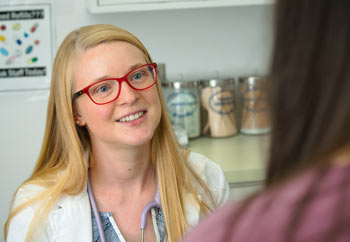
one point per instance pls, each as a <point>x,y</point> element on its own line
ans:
<point>107,124</point>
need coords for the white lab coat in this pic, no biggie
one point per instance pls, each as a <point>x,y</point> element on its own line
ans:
<point>70,218</point>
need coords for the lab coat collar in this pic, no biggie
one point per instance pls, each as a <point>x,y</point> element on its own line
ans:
<point>71,218</point>
<point>192,210</point>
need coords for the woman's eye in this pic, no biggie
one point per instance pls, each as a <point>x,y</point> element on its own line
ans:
<point>137,76</point>
<point>103,89</point>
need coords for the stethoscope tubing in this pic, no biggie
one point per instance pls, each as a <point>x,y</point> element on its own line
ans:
<point>96,213</point>
<point>143,220</point>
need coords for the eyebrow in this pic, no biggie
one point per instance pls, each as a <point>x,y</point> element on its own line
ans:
<point>107,76</point>
<point>129,69</point>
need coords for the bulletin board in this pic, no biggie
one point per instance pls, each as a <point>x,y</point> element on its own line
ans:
<point>25,46</point>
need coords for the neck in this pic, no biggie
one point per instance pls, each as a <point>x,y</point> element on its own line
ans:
<point>121,169</point>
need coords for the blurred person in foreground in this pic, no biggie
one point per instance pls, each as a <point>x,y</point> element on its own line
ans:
<point>307,188</point>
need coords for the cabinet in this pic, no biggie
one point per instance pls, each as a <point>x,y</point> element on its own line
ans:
<point>108,6</point>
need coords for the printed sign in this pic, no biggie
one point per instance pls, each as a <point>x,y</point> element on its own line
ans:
<point>25,46</point>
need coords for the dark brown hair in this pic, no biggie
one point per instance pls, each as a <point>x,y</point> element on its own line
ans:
<point>309,97</point>
<point>309,85</point>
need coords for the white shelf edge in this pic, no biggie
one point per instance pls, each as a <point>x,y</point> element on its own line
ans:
<point>96,9</point>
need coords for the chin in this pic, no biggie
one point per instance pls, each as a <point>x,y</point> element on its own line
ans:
<point>139,140</point>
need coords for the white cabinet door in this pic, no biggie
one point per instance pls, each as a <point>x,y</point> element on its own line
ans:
<point>240,191</point>
<point>111,2</point>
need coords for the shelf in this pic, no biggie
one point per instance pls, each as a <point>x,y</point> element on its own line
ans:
<point>109,6</point>
<point>241,157</point>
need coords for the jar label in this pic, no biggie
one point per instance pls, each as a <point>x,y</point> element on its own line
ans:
<point>222,102</point>
<point>182,104</point>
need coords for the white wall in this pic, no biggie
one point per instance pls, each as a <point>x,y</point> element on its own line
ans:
<point>233,41</point>
<point>22,123</point>
<point>194,44</point>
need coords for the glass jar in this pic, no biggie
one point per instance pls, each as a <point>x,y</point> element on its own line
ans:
<point>255,119</point>
<point>182,100</point>
<point>218,108</point>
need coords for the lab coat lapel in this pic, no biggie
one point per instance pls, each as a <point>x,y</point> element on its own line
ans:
<point>72,219</point>
<point>192,210</point>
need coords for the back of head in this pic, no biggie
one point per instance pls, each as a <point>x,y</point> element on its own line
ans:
<point>309,95</point>
<point>310,85</point>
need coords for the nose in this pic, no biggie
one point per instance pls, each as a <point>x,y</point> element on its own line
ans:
<point>127,94</point>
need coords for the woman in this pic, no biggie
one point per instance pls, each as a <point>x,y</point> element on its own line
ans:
<point>307,193</point>
<point>108,132</point>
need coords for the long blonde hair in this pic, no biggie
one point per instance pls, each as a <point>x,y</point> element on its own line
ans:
<point>63,162</point>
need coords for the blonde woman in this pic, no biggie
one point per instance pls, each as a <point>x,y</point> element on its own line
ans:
<point>108,133</point>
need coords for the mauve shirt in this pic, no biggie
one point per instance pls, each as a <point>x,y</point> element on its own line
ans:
<point>269,215</point>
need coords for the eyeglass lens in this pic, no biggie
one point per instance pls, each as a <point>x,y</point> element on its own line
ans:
<point>106,90</point>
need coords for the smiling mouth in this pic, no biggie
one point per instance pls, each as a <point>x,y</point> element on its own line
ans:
<point>131,117</point>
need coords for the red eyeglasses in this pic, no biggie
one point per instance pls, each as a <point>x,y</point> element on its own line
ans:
<point>108,90</point>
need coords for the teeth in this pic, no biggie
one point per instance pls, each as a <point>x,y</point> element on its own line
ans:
<point>131,117</point>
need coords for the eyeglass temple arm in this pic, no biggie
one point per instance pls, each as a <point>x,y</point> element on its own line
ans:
<point>76,95</point>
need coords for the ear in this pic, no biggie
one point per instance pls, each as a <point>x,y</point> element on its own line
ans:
<point>78,119</point>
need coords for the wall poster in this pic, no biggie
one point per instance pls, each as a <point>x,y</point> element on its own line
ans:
<point>25,46</point>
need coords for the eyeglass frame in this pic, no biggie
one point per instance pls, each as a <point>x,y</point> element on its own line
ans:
<point>119,80</point>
